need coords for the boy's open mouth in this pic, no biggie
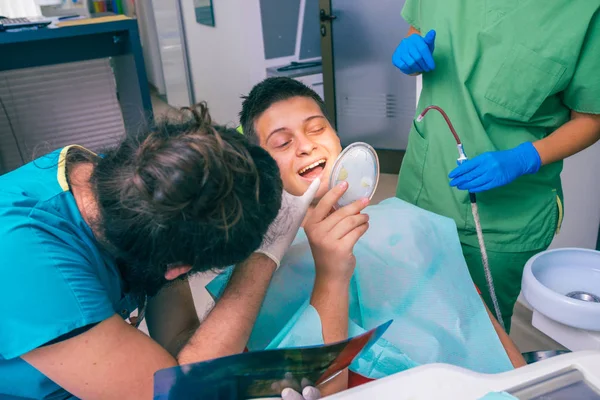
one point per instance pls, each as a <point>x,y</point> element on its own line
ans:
<point>313,170</point>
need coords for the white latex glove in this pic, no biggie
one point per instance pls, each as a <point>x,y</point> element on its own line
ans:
<point>283,229</point>
<point>290,389</point>
<point>309,393</point>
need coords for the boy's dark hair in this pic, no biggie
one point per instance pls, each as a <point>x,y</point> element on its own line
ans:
<point>185,192</point>
<point>265,94</point>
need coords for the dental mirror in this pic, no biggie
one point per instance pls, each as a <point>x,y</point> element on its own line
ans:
<point>358,165</point>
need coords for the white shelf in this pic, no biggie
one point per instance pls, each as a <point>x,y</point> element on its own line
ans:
<point>48,2</point>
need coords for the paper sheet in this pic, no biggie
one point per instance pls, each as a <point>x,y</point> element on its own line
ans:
<point>89,21</point>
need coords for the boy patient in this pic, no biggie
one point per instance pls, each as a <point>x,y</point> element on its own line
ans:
<point>329,285</point>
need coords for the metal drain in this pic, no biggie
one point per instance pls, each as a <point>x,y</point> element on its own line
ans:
<point>584,296</point>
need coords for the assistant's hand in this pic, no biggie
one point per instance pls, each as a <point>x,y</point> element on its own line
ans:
<point>497,168</point>
<point>332,236</point>
<point>283,229</point>
<point>414,54</point>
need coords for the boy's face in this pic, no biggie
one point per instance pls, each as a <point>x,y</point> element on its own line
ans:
<point>300,139</point>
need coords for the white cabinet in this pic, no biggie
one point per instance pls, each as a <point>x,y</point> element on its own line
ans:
<point>315,82</point>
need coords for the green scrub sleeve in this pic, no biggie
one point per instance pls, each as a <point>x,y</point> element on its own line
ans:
<point>583,92</point>
<point>411,13</point>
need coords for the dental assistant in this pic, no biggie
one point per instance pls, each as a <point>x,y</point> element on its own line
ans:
<point>521,82</point>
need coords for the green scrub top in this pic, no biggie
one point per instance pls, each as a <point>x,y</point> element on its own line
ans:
<point>507,72</point>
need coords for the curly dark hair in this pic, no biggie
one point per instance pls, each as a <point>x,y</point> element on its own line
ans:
<point>268,92</point>
<point>184,192</point>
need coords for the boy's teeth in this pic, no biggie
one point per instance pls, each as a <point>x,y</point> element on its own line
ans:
<point>313,165</point>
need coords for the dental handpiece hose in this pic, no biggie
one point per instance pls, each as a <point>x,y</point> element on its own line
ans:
<point>462,157</point>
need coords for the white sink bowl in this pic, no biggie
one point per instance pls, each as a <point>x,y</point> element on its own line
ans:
<point>551,275</point>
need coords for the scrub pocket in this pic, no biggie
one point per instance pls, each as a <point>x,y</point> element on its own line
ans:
<point>410,181</point>
<point>524,80</point>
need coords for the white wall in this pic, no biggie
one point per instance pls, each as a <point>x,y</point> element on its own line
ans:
<point>581,186</point>
<point>149,39</point>
<point>228,59</point>
<point>419,88</point>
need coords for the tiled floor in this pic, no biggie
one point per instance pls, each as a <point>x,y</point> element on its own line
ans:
<point>523,333</point>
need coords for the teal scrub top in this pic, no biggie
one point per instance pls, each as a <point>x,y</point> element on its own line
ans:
<point>507,72</point>
<point>55,279</point>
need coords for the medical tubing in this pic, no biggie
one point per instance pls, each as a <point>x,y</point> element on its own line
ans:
<point>485,260</point>
<point>425,111</point>
<point>475,211</point>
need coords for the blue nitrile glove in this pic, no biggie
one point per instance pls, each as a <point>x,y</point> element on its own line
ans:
<point>415,53</point>
<point>497,168</point>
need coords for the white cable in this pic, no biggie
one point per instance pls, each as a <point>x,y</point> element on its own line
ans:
<point>486,265</point>
<point>484,257</point>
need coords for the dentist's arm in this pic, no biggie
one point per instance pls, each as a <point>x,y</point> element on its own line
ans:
<point>227,328</point>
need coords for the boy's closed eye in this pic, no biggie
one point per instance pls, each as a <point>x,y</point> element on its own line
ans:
<point>280,140</point>
<point>316,129</point>
<point>283,145</point>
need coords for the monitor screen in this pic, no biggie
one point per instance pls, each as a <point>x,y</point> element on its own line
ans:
<point>310,40</point>
<point>291,28</point>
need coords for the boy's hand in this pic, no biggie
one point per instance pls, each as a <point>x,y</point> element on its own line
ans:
<point>332,236</point>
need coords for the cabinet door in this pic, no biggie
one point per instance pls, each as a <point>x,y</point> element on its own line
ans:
<point>373,101</point>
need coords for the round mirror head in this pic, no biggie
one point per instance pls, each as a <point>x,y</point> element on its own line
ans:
<point>358,165</point>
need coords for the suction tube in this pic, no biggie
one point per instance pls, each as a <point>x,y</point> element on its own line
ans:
<point>462,157</point>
